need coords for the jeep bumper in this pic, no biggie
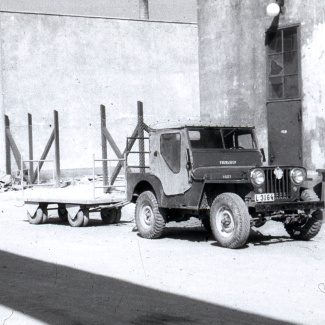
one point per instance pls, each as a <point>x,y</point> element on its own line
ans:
<point>289,206</point>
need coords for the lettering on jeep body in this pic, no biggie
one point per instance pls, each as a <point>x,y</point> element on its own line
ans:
<point>226,176</point>
<point>228,162</point>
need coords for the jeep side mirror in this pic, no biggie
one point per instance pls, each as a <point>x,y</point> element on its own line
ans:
<point>263,154</point>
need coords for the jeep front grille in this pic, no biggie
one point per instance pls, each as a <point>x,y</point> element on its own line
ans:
<point>280,187</point>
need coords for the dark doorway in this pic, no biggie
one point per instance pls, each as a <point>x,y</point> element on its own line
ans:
<point>284,102</point>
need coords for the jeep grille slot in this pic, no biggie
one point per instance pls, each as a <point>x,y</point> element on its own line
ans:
<point>280,187</point>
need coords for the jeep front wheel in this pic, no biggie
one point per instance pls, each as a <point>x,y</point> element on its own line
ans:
<point>148,218</point>
<point>230,220</point>
<point>305,229</point>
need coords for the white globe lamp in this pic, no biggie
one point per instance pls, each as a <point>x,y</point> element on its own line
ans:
<point>273,9</point>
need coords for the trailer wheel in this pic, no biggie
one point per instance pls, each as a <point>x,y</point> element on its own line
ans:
<point>110,216</point>
<point>230,220</point>
<point>81,219</point>
<point>40,216</point>
<point>148,218</point>
<point>63,213</point>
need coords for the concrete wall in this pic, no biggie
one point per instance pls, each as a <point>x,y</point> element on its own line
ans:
<point>74,64</point>
<point>233,66</point>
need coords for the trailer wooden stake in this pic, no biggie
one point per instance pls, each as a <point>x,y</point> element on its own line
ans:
<point>104,144</point>
<point>30,147</point>
<point>57,149</point>
<point>141,136</point>
<point>8,153</point>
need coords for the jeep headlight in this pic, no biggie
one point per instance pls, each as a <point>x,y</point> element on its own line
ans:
<point>257,176</point>
<point>298,175</point>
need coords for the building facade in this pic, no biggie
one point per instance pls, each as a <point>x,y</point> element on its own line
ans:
<point>267,72</point>
<point>73,64</point>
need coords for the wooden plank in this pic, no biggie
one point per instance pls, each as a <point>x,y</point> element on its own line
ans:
<point>87,202</point>
<point>57,149</point>
<point>146,127</point>
<point>112,143</point>
<point>44,155</point>
<point>104,144</point>
<point>14,149</point>
<point>141,135</point>
<point>119,164</point>
<point>8,153</point>
<point>30,146</point>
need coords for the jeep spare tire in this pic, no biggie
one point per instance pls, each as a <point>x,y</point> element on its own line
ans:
<point>230,220</point>
<point>149,221</point>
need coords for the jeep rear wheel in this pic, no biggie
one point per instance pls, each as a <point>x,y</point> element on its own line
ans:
<point>230,220</point>
<point>110,216</point>
<point>148,218</point>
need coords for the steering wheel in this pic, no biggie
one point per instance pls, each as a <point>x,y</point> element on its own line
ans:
<point>239,147</point>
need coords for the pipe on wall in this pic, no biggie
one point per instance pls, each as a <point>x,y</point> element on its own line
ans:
<point>143,9</point>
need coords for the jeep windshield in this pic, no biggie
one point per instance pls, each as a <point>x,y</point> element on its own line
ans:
<point>222,138</point>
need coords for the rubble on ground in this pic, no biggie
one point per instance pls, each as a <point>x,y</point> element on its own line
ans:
<point>6,182</point>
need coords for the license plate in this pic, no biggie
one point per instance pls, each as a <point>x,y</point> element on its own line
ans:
<point>265,197</point>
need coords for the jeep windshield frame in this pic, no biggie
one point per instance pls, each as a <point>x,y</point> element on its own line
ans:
<point>222,138</point>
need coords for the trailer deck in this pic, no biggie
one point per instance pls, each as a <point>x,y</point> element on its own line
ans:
<point>74,203</point>
<point>78,194</point>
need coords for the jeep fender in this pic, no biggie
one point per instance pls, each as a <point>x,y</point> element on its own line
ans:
<point>138,183</point>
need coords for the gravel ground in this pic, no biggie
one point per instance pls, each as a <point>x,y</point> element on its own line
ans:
<point>56,274</point>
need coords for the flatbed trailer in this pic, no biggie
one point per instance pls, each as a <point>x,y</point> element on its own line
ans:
<point>74,204</point>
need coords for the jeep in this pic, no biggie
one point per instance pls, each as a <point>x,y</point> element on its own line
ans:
<point>217,175</point>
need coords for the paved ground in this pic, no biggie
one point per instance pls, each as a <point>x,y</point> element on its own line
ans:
<point>56,274</point>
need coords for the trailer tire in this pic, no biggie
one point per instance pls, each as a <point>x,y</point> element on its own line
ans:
<point>230,220</point>
<point>40,216</point>
<point>149,220</point>
<point>80,220</point>
<point>63,213</point>
<point>110,216</point>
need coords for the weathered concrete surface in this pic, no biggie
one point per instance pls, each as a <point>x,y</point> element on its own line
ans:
<point>57,274</point>
<point>233,66</point>
<point>2,115</point>
<point>74,64</point>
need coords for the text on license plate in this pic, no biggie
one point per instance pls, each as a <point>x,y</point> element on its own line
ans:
<point>265,197</point>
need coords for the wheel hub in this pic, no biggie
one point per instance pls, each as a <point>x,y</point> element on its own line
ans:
<point>225,222</point>
<point>146,215</point>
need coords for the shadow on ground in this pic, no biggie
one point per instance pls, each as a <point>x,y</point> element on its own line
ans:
<point>194,234</point>
<point>92,223</point>
<point>199,234</point>
<point>258,239</point>
<point>56,294</point>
